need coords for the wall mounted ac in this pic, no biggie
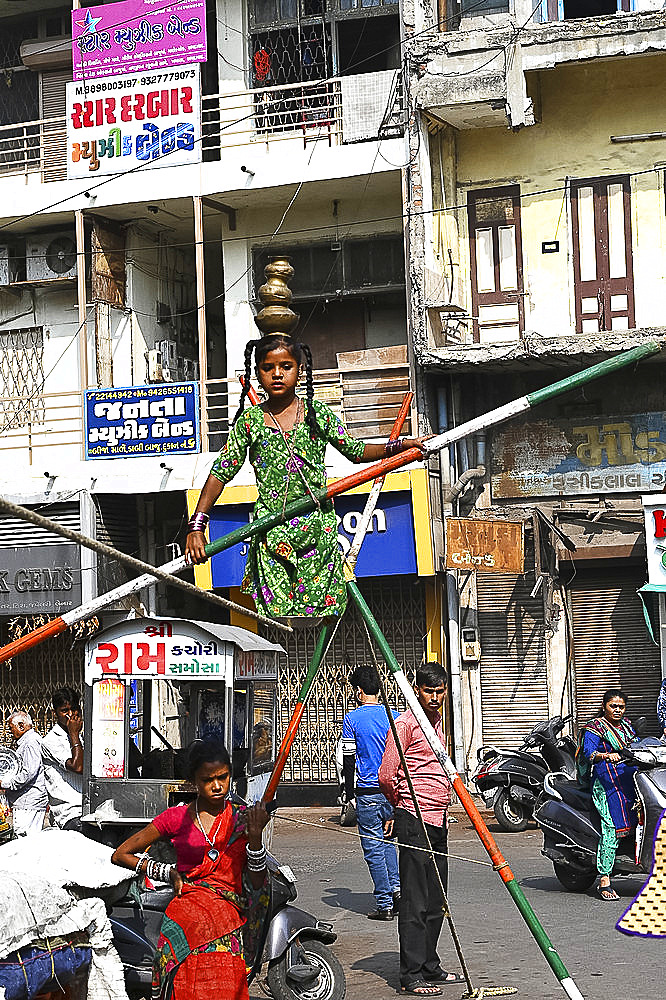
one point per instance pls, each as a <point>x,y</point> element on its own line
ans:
<point>50,256</point>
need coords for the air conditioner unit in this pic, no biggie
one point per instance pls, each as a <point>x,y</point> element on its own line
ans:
<point>155,370</point>
<point>50,256</point>
<point>169,352</point>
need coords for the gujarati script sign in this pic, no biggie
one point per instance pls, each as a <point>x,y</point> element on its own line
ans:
<point>137,36</point>
<point>581,456</point>
<point>142,420</point>
<point>486,546</point>
<point>147,120</point>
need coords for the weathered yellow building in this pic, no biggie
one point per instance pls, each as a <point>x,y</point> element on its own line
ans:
<point>537,246</point>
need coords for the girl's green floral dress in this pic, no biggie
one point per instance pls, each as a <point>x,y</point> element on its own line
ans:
<point>295,569</point>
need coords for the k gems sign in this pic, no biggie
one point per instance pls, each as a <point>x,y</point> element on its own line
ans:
<point>45,578</point>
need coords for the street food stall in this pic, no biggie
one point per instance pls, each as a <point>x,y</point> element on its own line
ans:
<point>153,685</point>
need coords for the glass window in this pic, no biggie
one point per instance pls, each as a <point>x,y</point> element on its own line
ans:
<point>263,727</point>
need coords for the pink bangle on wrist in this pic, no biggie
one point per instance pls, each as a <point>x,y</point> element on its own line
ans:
<point>198,522</point>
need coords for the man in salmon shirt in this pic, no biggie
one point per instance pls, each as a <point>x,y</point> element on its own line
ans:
<point>421,907</point>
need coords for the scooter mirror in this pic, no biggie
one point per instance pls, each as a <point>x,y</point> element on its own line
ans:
<point>640,725</point>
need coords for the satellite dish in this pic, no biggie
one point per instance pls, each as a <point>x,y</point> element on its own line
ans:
<point>61,254</point>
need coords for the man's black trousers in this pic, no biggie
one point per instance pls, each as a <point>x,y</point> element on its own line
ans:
<point>421,906</point>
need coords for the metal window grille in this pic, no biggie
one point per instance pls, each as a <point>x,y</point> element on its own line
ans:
<point>22,377</point>
<point>398,604</point>
<point>29,681</point>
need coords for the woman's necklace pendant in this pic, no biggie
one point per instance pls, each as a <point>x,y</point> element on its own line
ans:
<point>213,854</point>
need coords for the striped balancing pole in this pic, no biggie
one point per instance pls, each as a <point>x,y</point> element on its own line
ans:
<point>328,629</point>
<point>365,475</point>
<point>500,865</point>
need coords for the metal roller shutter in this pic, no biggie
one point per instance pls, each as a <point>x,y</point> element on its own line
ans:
<point>514,688</point>
<point>612,647</point>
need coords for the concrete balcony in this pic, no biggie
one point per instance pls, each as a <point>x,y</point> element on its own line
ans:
<point>479,77</point>
<point>45,431</point>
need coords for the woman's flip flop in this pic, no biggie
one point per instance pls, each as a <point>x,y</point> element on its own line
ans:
<point>607,893</point>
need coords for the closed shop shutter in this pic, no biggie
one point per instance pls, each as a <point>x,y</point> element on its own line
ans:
<point>54,129</point>
<point>514,688</point>
<point>612,647</point>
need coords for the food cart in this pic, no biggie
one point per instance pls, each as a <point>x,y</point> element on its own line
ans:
<point>153,685</point>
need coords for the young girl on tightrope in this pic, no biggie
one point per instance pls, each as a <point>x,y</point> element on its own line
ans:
<point>295,569</point>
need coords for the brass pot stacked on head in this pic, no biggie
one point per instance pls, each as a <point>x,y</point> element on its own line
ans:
<point>276,315</point>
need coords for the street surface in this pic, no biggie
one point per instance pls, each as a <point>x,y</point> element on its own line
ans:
<point>334,885</point>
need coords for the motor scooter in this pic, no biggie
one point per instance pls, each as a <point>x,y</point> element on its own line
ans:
<point>293,943</point>
<point>511,780</point>
<point>571,827</point>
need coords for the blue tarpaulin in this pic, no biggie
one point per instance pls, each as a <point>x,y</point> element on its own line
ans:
<point>30,971</point>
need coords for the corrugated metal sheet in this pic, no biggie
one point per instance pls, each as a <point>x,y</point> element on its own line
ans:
<point>514,692</point>
<point>15,532</point>
<point>612,647</point>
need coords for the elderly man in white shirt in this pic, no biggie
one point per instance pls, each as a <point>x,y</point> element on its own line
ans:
<point>62,753</point>
<point>26,791</point>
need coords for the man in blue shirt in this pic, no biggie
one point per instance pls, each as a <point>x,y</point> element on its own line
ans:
<point>363,742</point>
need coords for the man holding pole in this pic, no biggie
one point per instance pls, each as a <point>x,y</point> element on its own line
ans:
<point>421,905</point>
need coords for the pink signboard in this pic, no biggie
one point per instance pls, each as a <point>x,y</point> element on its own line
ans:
<point>135,36</point>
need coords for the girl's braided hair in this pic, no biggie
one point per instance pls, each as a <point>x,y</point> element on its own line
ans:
<point>301,354</point>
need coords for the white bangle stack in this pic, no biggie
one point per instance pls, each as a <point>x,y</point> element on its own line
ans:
<point>256,860</point>
<point>159,871</point>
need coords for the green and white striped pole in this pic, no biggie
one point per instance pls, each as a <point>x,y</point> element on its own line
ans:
<point>369,472</point>
<point>500,865</point>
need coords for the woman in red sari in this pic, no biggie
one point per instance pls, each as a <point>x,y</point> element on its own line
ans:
<point>220,862</point>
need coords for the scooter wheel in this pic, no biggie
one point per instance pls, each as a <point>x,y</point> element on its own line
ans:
<point>511,816</point>
<point>330,983</point>
<point>573,879</point>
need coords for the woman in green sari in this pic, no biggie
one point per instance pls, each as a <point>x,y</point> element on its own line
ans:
<point>295,569</point>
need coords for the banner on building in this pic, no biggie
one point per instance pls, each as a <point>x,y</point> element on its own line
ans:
<point>147,120</point>
<point>40,578</point>
<point>142,420</point>
<point>486,546</point>
<point>389,548</point>
<point>137,36</point>
<point>581,456</point>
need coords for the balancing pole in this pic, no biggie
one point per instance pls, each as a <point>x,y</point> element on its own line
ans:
<point>328,631</point>
<point>263,524</point>
<point>500,865</point>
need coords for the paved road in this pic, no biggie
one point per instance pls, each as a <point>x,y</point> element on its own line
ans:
<point>334,884</point>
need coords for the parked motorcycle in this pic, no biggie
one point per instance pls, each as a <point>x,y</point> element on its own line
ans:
<point>511,780</point>
<point>294,943</point>
<point>571,827</point>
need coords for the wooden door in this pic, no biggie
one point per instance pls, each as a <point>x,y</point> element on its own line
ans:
<point>496,264</point>
<point>602,255</point>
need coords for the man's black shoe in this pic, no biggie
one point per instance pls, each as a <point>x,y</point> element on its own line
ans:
<point>381,915</point>
<point>396,902</point>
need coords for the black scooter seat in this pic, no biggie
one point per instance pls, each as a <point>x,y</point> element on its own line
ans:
<point>572,793</point>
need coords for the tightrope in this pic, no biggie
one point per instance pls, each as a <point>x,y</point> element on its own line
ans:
<point>380,840</point>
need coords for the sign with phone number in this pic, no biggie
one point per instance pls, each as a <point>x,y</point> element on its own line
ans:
<point>149,119</point>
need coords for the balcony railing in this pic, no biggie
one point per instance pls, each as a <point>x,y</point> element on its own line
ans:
<point>367,400</point>
<point>302,111</point>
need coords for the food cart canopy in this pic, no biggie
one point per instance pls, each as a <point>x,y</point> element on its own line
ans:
<point>179,649</point>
